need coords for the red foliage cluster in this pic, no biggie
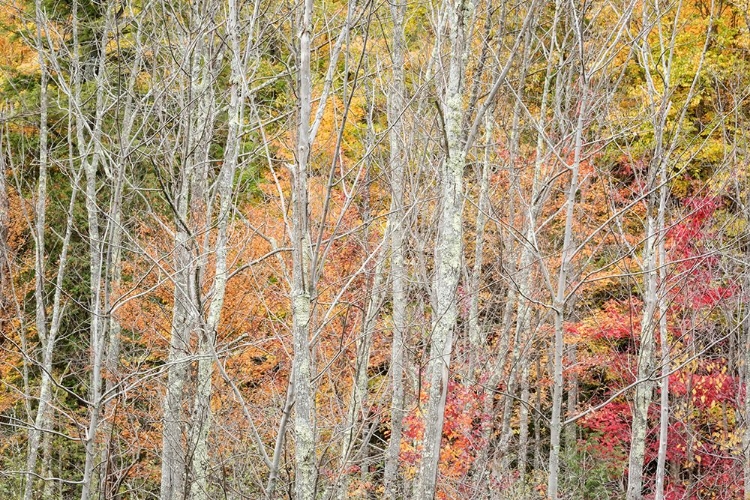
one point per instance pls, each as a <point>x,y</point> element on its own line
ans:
<point>464,433</point>
<point>702,433</point>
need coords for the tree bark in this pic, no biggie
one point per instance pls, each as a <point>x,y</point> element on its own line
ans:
<point>661,460</point>
<point>559,306</point>
<point>447,255</point>
<point>397,221</point>
<point>302,282</point>
<point>40,211</point>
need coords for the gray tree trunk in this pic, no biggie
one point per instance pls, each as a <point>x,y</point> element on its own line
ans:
<point>40,211</point>
<point>396,223</point>
<point>661,460</point>
<point>201,418</point>
<point>560,306</point>
<point>302,280</point>
<point>447,254</point>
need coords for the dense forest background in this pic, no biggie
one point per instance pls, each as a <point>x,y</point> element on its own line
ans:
<point>453,249</point>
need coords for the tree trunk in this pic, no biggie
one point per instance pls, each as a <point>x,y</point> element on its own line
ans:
<point>661,460</point>
<point>397,221</point>
<point>40,211</point>
<point>6,290</point>
<point>201,418</point>
<point>359,389</point>
<point>560,306</point>
<point>97,247</point>
<point>447,256</point>
<point>644,389</point>
<point>302,282</point>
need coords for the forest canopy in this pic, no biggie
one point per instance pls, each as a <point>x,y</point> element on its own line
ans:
<point>334,249</point>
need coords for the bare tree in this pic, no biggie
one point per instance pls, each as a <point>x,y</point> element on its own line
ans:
<point>665,144</point>
<point>399,283</point>
<point>302,277</point>
<point>447,251</point>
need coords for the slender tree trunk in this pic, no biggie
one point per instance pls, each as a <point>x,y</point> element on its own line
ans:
<point>173,467</point>
<point>192,215</point>
<point>97,246</point>
<point>538,457</point>
<point>661,460</point>
<point>359,389</point>
<point>40,211</point>
<point>6,290</point>
<point>448,255</point>
<point>644,389</point>
<point>302,280</point>
<point>570,431</point>
<point>47,457</point>
<point>476,339</point>
<point>114,265</point>
<point>201,419</point>
<point>273,474</point>
<point>517,294</point>
<point>523,422</point>
<point>357,409</point>
<point>43,417</point>
<point>560,306</point>
<point>398,239</point>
